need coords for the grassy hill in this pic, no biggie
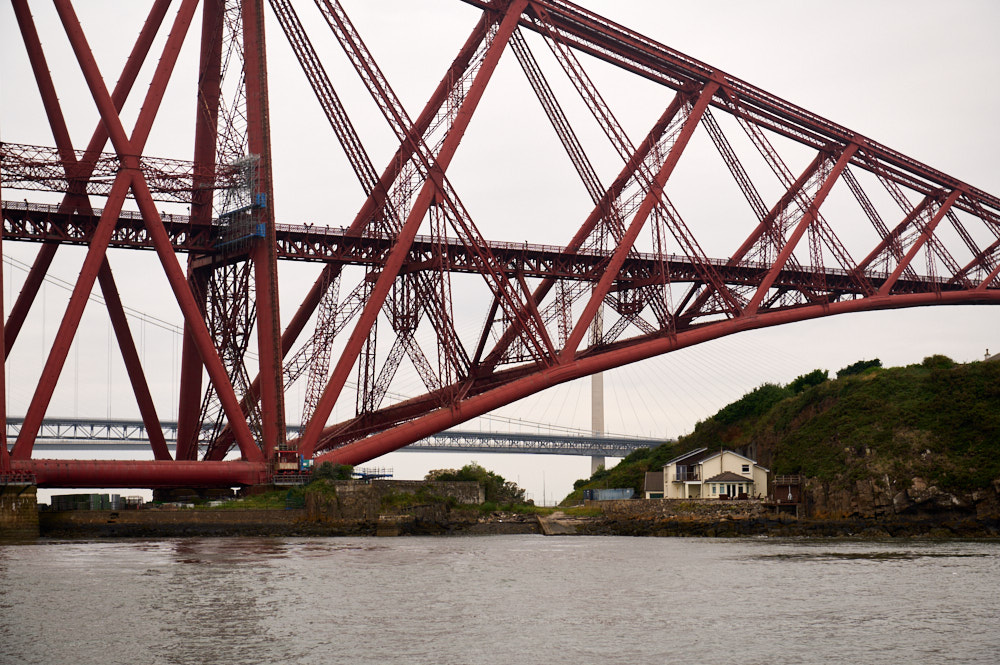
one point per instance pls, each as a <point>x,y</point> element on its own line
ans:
<point>938,420</point>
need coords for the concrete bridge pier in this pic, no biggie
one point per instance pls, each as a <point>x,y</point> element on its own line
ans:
<point>18,511</point>
<point>597,393</point>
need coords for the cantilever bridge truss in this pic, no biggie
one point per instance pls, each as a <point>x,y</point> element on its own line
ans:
<point>831,222</point>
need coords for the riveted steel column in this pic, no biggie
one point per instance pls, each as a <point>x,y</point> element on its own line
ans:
<point>272,400</point>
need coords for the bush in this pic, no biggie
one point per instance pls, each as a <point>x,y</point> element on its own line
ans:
<point>498,489</point>
<point>330,471</point>
<point>755,403</point>
<point>813,378</point>
<point>938,361</point>
<point>637,455</point>
<point>859,367</point>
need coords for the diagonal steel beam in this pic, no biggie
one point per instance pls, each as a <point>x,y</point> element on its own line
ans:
<point>394,261</point>
<point>84,167</point>
<point>131,176</point>
<point>804,222</point>
<point>925,236</point>
<point>645,209</point>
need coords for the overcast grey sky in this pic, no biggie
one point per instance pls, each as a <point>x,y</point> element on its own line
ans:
<point>918,76</point>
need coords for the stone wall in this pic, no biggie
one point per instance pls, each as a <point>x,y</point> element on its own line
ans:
<point>467,492</point>
<point>344,508</point>
<point>354,500</point>
<point>170,523</point>
<point>681,509</point>
<point>18,511</point>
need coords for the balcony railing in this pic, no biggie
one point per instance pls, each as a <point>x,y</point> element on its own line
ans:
<point>788,480</point>
<point>683,476</point>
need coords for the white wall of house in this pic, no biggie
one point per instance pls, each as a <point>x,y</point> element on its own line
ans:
<point>676,490</point>
<point>760,481</point>
<point>755,484</point>
<point>732,488</point>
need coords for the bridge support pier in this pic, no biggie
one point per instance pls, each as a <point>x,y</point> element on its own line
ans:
<point>18,511</point>
<point>596,462</point>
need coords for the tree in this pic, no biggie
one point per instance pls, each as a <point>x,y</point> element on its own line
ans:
<point>329,471</point>
<point>813,378</point>
<point>755,403</point>
<point>498,489</point>
<point>938,361</point>
<point>859,367</point>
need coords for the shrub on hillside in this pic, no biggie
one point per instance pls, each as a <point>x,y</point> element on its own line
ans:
<point>755,403</point>
<point>813,378</point>
<point>859,367</point>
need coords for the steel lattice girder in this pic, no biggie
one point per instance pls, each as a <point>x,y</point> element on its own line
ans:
<point>39,222</point>
<point>743,292</point>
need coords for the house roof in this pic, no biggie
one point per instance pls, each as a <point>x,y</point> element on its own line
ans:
<point>654,481</point>
<point>728,477</point>
<point>689,457</point>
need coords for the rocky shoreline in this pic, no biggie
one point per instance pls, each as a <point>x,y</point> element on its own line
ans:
<point>364,510</point>
<point>434,520</point>
<point>295,523</point>
<point>778,527</point>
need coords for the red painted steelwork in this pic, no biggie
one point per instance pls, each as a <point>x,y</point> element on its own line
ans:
<point>43,260</point>
<point>649,202</point>
<point>272,394</point>
<point>441,419</point>
<point>791,267</point>
<point>4,451</point>
<point>151,474</point>
<point>405,238</point>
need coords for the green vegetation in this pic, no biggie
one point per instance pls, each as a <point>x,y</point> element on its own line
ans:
<point>498,489</point>
<point>813,378</point>
<point>580,511</point>
<point>519,508</point>
<point>938,420</point>
<point>423,496</point>
<point>330,471</point>
<point>501,495</point>
<point>860,367</point>
<point>274,500</point>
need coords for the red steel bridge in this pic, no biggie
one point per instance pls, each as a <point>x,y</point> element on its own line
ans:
<point>832,222</point>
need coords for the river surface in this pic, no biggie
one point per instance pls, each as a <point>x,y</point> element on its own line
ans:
<point>499,599</point>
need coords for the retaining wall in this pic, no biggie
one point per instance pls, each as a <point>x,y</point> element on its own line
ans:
<point>353,500</point>
<point>682,509</point>
<point>169,523</point>
<point>18,511</point>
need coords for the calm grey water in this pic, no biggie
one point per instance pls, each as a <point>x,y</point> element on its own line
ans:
<point>499,599</point>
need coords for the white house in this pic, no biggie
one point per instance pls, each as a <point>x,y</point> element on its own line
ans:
<point>709,474</point>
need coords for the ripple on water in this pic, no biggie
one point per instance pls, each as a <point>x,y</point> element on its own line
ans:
<point>523,599</point>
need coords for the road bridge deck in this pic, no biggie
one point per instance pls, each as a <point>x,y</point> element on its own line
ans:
<point>89,435</point>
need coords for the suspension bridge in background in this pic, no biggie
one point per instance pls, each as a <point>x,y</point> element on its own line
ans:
<point>392,295</point>
<point>87,435</point>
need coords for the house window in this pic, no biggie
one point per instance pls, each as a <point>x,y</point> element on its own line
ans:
<point>715,488</point>
<point>746,468</point>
